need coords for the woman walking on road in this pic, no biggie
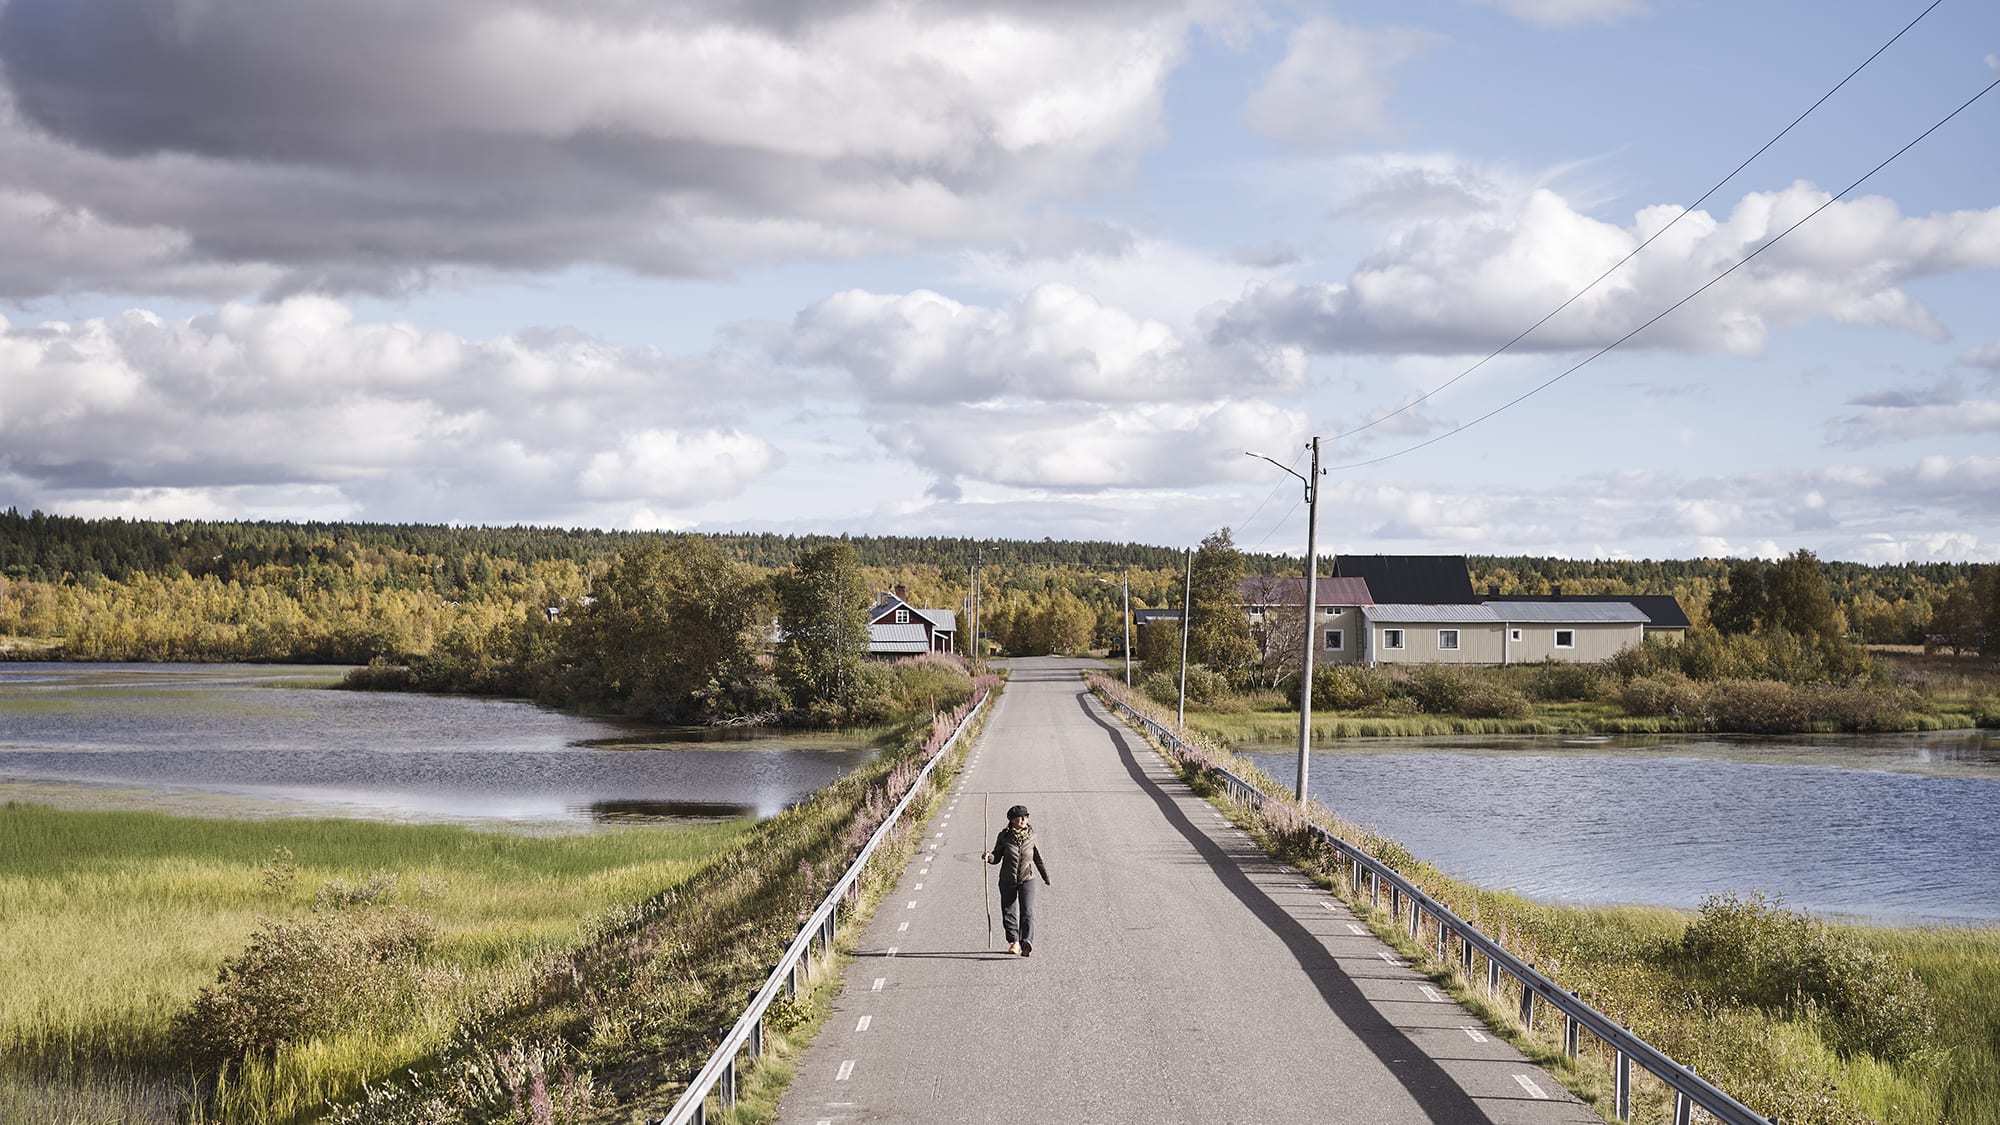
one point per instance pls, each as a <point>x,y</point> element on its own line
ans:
<point>1020,860</point>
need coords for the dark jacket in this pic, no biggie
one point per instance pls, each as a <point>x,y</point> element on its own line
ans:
<point>1014,858</point>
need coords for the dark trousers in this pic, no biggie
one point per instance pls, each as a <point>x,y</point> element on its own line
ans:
<point>1017,911</point>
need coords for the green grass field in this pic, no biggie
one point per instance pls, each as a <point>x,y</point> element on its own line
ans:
<point>114,920</point>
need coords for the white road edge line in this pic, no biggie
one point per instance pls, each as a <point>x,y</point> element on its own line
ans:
<point>901,928</point>
<point>1388,956</point>
<point>846,1070</point>
<point>1357,929</point>
<point>862,1023</point>
<point>879,982</point>
<point>1431,994</point>
<point>1477,1035</point>
<point>912,906</point>
<point>892,951</point>
<point>1533,1090</point>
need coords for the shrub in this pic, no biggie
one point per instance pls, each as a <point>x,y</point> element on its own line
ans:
<point>1493,701</point>
<point>305,977</point>
<point>1858,707</point>
<point>1439,689</point>
<point>1787,961</point>
<point>380,675</point>
<point>1204,686</point>
<point>1758,706</point>
<point>1668,693</point>
<point>1349,687</point>
<point>1554,681</point>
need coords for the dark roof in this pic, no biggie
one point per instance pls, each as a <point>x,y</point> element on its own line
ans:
<point>1663,611</point>
<point>1411,579</point>
<point>1292,591</point>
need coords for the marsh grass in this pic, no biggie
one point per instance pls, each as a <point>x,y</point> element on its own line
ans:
<point>115,920</point>
<point>1789,1054</point>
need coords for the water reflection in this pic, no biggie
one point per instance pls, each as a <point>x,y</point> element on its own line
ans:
<point>1897,827</point>
<point>251,739</point>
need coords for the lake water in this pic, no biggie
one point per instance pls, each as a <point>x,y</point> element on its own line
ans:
<point>1887,827</point>
<point>265,740</point>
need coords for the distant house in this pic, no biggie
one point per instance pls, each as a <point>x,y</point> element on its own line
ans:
<point>1338,601</point>
<point>897,628</point>
<point>1422,609</point>
<point>1664,616</point>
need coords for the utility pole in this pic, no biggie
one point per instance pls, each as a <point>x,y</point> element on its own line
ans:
<point>1187,613</point>
<point>1312,611</point>
<point>1125,584</point>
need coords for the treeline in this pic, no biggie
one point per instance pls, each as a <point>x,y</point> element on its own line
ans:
<point>349,593</point>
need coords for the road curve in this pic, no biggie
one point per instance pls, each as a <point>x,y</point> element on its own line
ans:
<point>1179,974</point>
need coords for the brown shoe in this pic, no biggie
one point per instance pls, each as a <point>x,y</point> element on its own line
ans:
<point>1014,947</point>
<point>1027,948</point>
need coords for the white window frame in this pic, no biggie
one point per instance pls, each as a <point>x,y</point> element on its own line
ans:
<point>1392,638</point>
<point>1561,633</point>
<point>902,617</point>
<point>1335,639</point>
<point>1514,635</point>
<point>1447,646</point>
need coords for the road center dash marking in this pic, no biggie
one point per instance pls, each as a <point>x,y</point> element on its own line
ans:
<point>1357,929</point>
<point>862,1023</point>
<point>846,1070</point>
<point>1528,1084</point>
<point>1431,994</point>
<point>879,982</point>
<point>1477,1035</point>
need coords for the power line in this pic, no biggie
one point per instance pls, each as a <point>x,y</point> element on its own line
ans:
<point>1685,212</point>
<point>1662,315</point>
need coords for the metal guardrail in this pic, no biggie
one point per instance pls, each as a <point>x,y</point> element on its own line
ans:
<point>1690,1089</point>
<point>718,1076</point>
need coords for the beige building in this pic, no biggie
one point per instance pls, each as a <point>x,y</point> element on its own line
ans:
<point>1432,634</point>
<point>1575,632</point>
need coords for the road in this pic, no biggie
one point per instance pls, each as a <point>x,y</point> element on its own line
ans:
<point>1179,973</point>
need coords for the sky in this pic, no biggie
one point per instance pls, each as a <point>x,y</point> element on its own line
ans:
<point>1014,269</point>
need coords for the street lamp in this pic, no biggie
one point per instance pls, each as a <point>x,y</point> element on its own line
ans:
<point>1125,584</point>
<point>1312,608</point>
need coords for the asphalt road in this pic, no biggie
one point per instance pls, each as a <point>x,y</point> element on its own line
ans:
<point>1179,974</point>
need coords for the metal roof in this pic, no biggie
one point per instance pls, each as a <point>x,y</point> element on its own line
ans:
<point>897,638</point>
<point>1445,614</point>
<point>1292,591</point>
<point>1570,612</point>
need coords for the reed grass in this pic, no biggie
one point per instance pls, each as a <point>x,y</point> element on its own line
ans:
<point>1630,963</point>
<point>114,920</point>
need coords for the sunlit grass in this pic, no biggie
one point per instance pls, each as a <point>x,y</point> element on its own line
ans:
<point>114,920</point>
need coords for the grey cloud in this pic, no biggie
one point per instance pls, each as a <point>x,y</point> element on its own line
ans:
<point>1941,394</point>
<point>357,146</point>
<point>1986,358</point>
<point>1265,255</point>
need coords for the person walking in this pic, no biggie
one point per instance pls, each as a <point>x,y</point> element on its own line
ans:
<point>1020,861</point>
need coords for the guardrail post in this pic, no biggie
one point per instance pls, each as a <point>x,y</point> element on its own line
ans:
<point>1527,1006</point>
<point>1374,887</point>
<point>726,1089</point>
<point>1444,941</point>
<point>1683,1109</point>
<point>1571,1035</point>
<point>756,1045</point>
<point>1465,954</point>
<point>1621,1095</point>
<point>1416,920</point>
<point>1492,977</point>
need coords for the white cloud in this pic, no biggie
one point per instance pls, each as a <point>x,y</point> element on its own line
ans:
<point>1569,13</point>
<point>1907,422</point>
<point>1052,344</point>
<point>1332,83</point>
<point>1143,447</point>
<point>525,135</point>
<point>1148,277</point>
<point>1468,282</point>
<point>296,399</point>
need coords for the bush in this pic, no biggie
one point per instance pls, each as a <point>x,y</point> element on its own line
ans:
<point>1557,681</point>
<point>1757,706</point>
<point>306,977</point>
<point>1859,707</point>
<point>1493,701</point>
<point>1348,687</point>
<point>1668,693</point>
<point>1204,686</point>
<point>1439,689</point>
<point>1787,961</point>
